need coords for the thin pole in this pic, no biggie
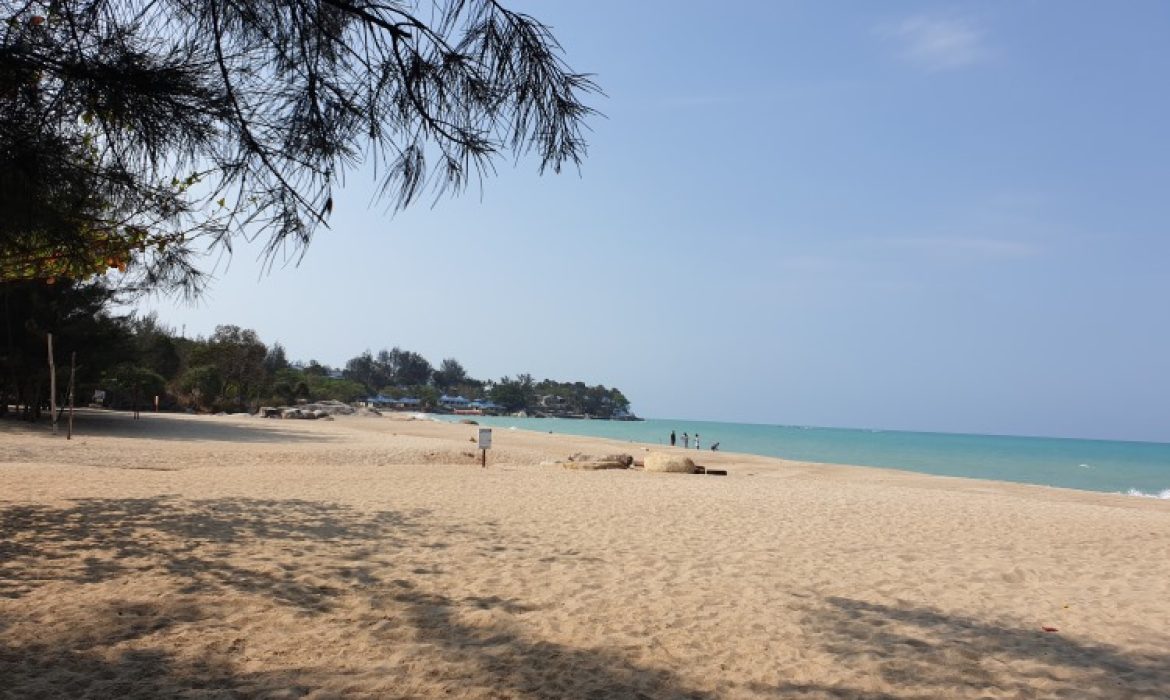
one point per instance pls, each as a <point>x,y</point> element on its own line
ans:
<point>72,375</point>
<point>52,385</point>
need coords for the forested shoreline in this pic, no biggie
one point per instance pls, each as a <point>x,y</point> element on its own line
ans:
<point>133,358</point>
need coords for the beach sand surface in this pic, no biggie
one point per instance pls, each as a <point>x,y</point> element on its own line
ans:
<point>372,557</point>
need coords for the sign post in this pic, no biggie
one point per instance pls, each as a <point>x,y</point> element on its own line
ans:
<point>485,444</point>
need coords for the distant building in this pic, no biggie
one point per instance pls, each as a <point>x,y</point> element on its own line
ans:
<point>381,401</point>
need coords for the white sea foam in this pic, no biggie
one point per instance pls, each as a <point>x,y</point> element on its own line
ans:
<point>1164,494</point>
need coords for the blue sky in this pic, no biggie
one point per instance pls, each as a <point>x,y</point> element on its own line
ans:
<point>925,216</point>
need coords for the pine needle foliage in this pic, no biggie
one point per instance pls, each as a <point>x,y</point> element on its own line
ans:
<point>137,134</point>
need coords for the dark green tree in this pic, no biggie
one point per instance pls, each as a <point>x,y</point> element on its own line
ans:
<point>236,356</point>
<point>450,374</point>
<point>204,384</point>
<point>321,388</point>
<point>77,315</point>
<point>154,345</point>
<point>130,386</point>
<point>411,368</point>
<point>276,360</point>
<point>367,371</point>
<point>316,369</point>
<point>514,394</point>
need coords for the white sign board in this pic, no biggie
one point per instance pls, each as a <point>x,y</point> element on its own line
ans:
<point>485,438</point>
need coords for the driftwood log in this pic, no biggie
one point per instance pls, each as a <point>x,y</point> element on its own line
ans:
<point>592,463</point>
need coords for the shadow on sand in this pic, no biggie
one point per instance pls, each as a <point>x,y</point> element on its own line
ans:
<point>929,654</point>
<point>211,548</point>
<point>121,424</point>
<point>96,540</point>
<point>314,559</point>
<point>509,664</point>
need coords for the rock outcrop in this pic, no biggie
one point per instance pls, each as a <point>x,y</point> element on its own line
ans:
<point>320,410</point>
<point>332,408</point>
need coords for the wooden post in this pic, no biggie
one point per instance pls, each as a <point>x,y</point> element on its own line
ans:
<point>483,458</point>
<point>72,376</point>
<point>52,386</point>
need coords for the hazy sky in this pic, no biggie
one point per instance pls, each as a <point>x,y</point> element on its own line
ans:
<point>926,216</point>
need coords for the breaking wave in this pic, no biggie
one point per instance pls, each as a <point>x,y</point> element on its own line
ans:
<point>1164,494</point>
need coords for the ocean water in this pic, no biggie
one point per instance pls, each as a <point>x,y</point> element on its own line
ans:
<point>1135,468</point>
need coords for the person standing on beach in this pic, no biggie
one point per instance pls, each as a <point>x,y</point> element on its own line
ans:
<point>672,438</point>
<point>686,441</point>
<point>696,441</point>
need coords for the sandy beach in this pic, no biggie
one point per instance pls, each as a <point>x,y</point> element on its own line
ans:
<point>225,557</point>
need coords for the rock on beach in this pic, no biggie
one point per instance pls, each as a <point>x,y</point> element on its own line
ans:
<point>665,462</point>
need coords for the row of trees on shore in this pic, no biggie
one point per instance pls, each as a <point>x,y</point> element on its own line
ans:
<point>134,358</point>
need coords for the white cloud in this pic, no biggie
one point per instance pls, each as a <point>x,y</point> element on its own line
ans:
<point>936,43</point>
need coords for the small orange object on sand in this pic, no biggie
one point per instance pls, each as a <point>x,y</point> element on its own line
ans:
<point>1049,629</point>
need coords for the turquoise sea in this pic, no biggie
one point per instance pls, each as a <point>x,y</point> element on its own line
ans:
<point>1136,468</point>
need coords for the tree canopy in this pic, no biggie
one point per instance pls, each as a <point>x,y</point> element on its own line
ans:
<point>135,134</point>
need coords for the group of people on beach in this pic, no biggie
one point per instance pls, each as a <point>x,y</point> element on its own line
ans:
<point>686,441</point>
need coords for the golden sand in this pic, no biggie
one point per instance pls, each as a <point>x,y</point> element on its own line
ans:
<point>223,557</point>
